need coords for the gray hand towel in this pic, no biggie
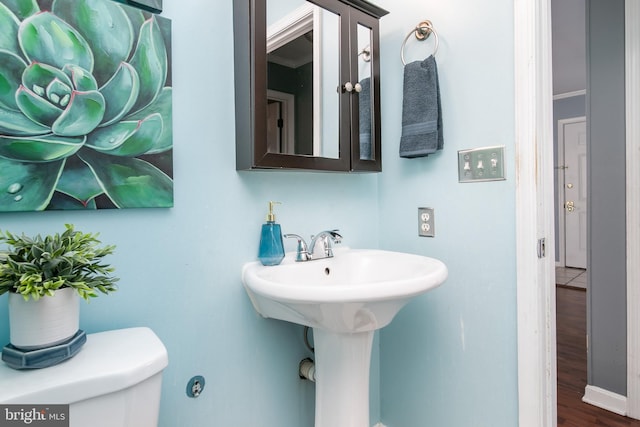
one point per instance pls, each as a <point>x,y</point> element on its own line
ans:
<point>364,108</point>
<point>421,110</point>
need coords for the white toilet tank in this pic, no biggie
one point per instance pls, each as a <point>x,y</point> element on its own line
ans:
<point>113,381</point>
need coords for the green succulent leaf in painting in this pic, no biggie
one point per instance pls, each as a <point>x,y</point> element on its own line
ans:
<point>61,201</point>
<point>85,105</point>
<point>27,186</point>
<point>81,79</point>
<point>127,138</point>
<point>45,148</point>
<point>47,39</point>
<point>129,181</point>
<point>9,34</point>
<point>50,97</point>
<point>36,107</point>
<point>16,123</point>
<point>162,106</point>
<point>78,182</point>
<point>38,77</point>
<point>120,93</point>
<point>11,69</point>
<point>106,28</point>
<point>22,8</point>
<point>137,18</point>
<point>83,114</point>
<point>150,61</point>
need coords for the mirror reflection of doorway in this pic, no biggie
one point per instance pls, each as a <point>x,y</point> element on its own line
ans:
<point>280,122</point>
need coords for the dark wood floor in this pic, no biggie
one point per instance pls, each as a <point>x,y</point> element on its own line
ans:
<point>572,365</point>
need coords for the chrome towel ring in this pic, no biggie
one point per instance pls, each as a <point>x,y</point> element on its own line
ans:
<point>422,31</point>
<point>365,53</point>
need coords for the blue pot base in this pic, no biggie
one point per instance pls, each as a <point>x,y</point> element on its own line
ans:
<point>43,357</point>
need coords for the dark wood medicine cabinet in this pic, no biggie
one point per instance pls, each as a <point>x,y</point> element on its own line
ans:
<point>307,85</point>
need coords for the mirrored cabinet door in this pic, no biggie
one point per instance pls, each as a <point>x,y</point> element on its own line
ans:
<point>366,153</point>
<point>298,85</point>
<point>303,72</point>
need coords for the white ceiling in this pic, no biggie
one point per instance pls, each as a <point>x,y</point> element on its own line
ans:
<point>569,46</point>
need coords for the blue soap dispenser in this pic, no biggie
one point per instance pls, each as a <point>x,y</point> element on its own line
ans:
<point>271,251</point>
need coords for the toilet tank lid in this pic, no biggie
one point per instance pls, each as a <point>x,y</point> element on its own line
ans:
<point>108,362</point>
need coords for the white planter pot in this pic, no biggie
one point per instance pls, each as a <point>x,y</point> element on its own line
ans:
<point>43,323</point>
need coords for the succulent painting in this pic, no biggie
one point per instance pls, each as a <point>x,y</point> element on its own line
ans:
<point>85,106</point>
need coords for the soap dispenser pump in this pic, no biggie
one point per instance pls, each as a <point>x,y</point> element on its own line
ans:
<point>271,251</point>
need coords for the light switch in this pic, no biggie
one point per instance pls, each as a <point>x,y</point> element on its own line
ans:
<point>481,164</point>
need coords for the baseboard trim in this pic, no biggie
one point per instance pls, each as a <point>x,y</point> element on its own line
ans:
<point>605,399</point>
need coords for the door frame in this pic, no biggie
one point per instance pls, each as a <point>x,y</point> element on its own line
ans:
<point>632,89</point>
<point>288,115</point>
<point>559,170</point>
<point>535,246</point>
<point>537,397</point>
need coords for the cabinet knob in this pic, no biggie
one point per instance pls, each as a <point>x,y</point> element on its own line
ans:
<point>350,87</point>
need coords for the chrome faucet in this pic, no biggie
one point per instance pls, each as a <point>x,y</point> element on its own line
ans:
<point>320,246</point>
<point>324,238</point>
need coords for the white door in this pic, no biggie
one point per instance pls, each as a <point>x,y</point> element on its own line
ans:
<point>575,193</point>
<point>574,135</point>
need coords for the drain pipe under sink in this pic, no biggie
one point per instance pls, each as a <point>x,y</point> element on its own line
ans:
<point>307,370</point>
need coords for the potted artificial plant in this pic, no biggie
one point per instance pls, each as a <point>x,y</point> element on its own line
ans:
<point>45,278</point>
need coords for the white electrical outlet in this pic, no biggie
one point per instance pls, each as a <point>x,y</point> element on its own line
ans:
<point>425,222</point>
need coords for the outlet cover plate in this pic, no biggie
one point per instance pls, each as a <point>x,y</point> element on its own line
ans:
<point>481,164</point>
<point>426,224</point>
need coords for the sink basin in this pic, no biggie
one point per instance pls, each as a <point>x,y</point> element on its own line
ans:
<point>357,290</point>
<point>344,299</point>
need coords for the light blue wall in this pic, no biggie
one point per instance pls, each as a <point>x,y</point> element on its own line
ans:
<point>180,268</point>
<point>449,358</point>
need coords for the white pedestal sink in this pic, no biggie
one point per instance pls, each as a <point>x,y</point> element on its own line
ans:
<point>344,299</point>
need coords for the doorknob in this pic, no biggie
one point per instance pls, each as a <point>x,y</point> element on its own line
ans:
<point>570,206</point>
<point>569,185</point>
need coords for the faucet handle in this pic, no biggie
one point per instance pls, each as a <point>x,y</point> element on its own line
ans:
<point>335,236</point>
<point>302,253</point>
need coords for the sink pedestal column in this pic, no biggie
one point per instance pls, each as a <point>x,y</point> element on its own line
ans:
<point>342,362</point>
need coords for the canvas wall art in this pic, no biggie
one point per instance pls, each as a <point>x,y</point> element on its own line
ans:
<point>85,106</point>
